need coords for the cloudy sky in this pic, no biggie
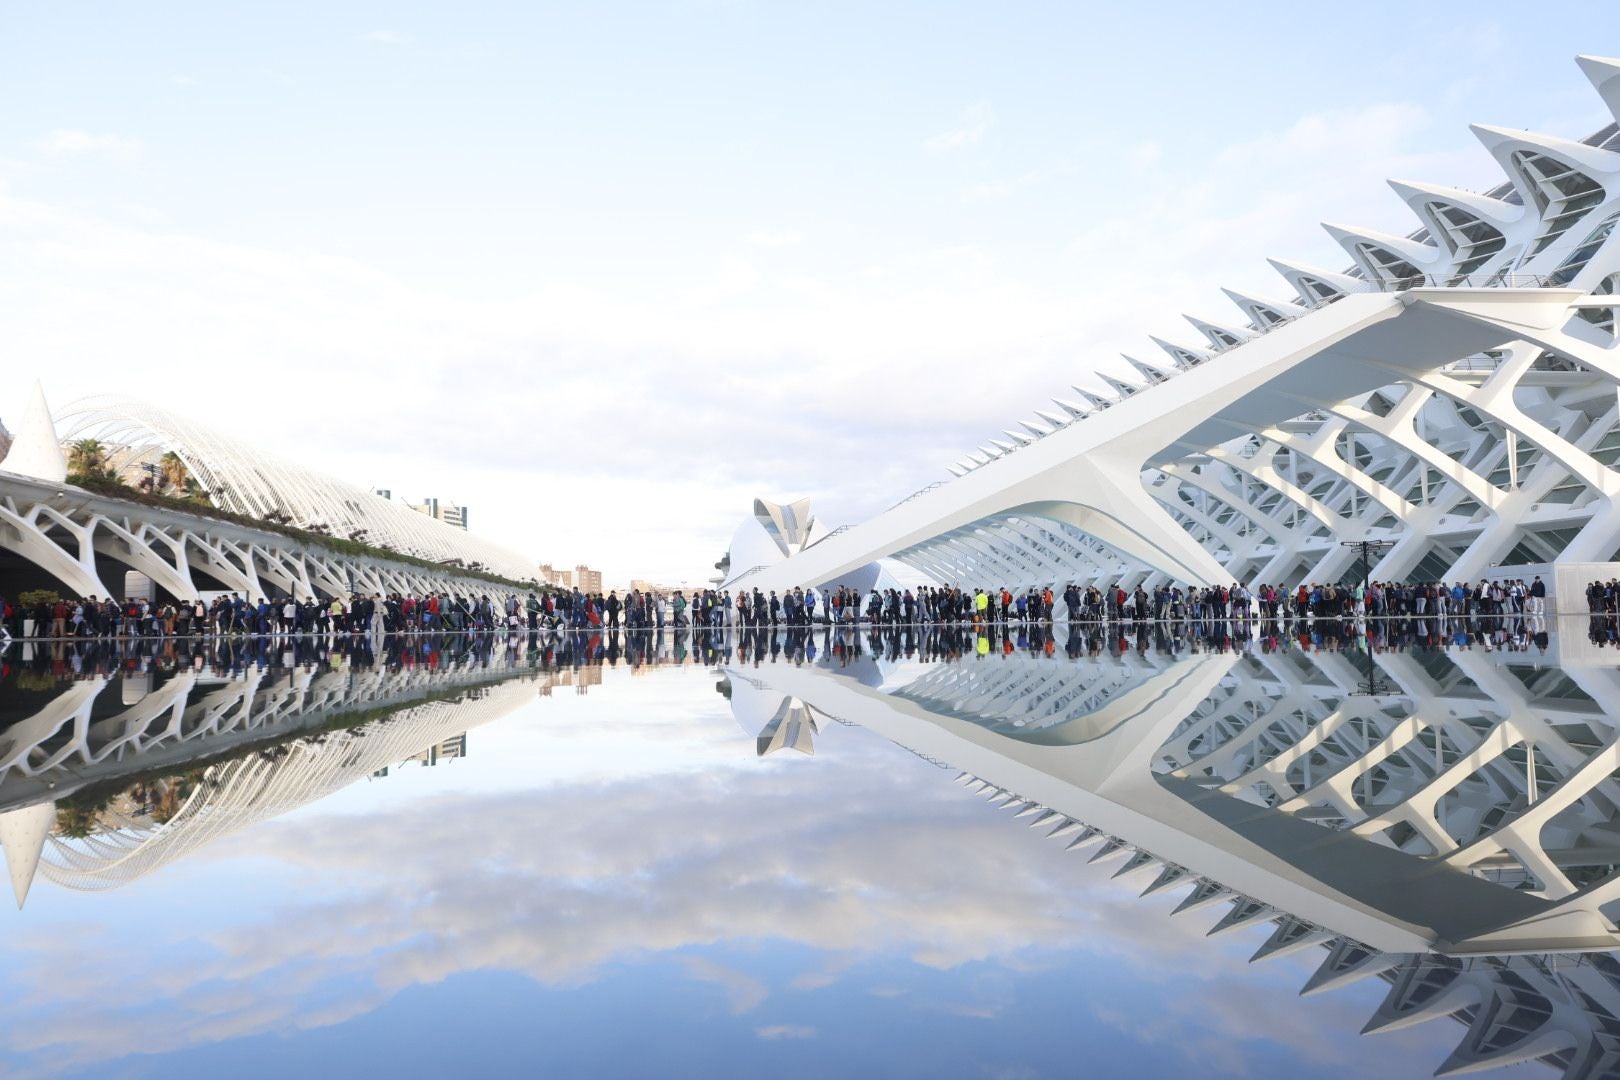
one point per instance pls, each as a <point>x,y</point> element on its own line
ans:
<point>607,273</point>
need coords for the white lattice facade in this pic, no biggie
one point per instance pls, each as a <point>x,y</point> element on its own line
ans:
<point>1453,391</point>
<point>243,479</point>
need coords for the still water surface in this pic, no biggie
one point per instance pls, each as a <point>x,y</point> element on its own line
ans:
<point>910,854</point>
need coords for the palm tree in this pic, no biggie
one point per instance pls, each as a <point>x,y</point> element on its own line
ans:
<point>174,472</point>
<point>87,457</point>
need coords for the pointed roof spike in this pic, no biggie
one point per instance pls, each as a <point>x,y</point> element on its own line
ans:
<point>1167,877</point>
<point>1120,386</point>
<point>978,459</point>
<point>36,452</point>
<point>1086,836</point>
<point>1501,142</point>
<point>1032,808</point>
<point>22,837</point>
<point>1243,912</point>
<point>1604,75</point>
<point>1293,273</point>
<point>1351,238</point>
<point>1018,436</point>
<point>1040,431</point>
<point>1069,825</point>
<point>1218,333</point>
<point>1097,400</point>
<point>1147,371</point>
<point>1205,892</point>
<point>956,471</point>
<point>1397,1011</point>
<point>1347,961</point>
<point>1052,418</point>
<point>962,778</point>
<point>1252,305</point>
<point>1475,1054</point>
<point>1045,819</point>
<point>1291,936</point>
<point>1112,846</point>
<point>1180,355</point>
<point>1134,863</point>
<point>989,452</point>
<point>1497,212</point>
<point>1070,407</point>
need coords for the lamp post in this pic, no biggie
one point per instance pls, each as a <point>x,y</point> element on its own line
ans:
<point>1368,547</point>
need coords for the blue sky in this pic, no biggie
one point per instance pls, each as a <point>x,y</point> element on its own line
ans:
<point>605,273</point>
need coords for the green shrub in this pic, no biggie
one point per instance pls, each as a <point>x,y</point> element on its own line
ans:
<point>32,598</point>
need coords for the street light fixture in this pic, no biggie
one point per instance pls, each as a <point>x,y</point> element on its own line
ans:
<point>1368,548</point>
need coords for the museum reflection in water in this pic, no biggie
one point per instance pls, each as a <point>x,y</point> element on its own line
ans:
<point>1435,806</point>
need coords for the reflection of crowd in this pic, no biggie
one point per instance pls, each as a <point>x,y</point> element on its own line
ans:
<point>947,642</point>
<point>562,648</point>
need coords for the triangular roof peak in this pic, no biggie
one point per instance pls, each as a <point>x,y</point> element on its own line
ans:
<point>22,836</point>
<point>36,452</point>
<point>1415,193</point>
<point>1502,142</point>
<point>1604,74</point>
<point>1251,306</point>
<point>1411,250</point>
<point>1218,333</point>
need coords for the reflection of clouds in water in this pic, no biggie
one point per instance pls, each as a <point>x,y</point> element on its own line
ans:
<point>875,856</point>
<point>745,992</point>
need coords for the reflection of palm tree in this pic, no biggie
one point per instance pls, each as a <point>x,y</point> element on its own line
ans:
<point>87,457</point>
<point>174,472</point>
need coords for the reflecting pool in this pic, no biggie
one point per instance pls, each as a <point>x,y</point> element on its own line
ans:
<point>1167,850</point>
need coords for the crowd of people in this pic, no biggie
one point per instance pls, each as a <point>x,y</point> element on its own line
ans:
<point>956,605</point>
<point>234,614</point>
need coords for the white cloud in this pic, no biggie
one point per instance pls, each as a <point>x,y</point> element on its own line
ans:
<point>384,37</point>
<point>785,1031</point>
<point>975,122</point>
<point>72,142</point>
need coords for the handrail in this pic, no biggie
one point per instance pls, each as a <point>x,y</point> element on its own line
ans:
<point>920,491</point>
<point>829,536</point>
<point>745,573</point>
<point>1467,281</point>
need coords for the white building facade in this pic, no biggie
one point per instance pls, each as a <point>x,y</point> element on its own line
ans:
<point>1453,391</point>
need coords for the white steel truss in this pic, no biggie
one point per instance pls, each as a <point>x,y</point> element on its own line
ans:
<point>1455,390</point>
<point>63,530</point>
